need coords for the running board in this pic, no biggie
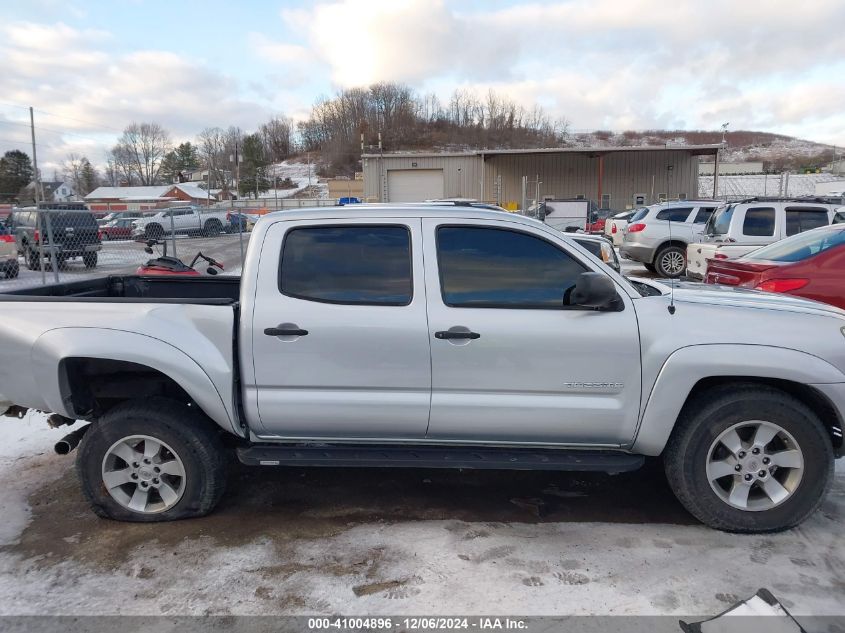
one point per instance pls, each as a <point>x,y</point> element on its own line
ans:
<point>439,457</point>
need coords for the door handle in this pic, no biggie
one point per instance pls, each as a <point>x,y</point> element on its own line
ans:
<point>284,331</point>
<point>449,334</point>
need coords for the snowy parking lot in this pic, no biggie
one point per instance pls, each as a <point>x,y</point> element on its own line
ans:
<point>371,541</point>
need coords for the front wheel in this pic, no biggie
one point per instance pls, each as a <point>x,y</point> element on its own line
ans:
<point>749,458</point>
<point>671,262</point>
<point>90,260</point>
<point>13,270</point>
<point>152,460</point>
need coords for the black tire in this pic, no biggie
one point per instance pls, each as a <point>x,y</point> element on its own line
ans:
<point>650,268</point>
<point>212,227</point>
<point>33,261</point>
<point>192,436</point>
<point>90,259</point>
<point>667,254</point>
<point>153,232</point>
<point>716,410</point>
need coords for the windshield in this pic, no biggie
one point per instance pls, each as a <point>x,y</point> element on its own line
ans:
<point>720,222</point>
<point>800,247</point>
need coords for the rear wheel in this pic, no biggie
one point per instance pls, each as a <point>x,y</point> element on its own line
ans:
<point>12,270</point>
<point>153,231</point>
<point>749,458</point>
<point>90,260</point>
<point>212,227</point>
<point>670,262</point>
<point>152,460</point>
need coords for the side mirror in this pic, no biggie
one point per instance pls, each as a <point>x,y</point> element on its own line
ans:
<point>595,290</point>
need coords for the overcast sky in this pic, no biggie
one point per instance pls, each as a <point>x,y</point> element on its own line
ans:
<point>91,67</point>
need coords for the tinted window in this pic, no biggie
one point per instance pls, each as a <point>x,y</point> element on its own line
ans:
<point>369,265</point>
<point>76,220</point>
<point>798,247</point>
<point>679,214</point>
<point>591,245</point>
<point>703,215</point>
<point>839,218</point>
<point>497,268</point>
<point>799,219</point>
<point>720,222</point>
<point>759,221</point>
<point>639,214</point>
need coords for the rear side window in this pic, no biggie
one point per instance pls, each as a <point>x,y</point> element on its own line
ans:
<point>500,268</point>
<point>759,221</point>
<point>675,215</point>
<point>703,215</point>
<point>639,214</point>
<point>354,265</point>
<point>802,219</point>
<point>720,222</point>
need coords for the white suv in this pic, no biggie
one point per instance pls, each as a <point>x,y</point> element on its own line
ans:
<point>657,235</point>
<point>741,227</point>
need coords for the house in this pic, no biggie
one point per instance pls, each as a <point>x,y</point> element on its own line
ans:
<point>54,191</point>
<point>151,197</point>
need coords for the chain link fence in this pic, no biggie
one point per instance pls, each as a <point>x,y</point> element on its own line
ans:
<point>56,243</point>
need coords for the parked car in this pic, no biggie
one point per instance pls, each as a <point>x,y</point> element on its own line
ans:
<point>809,265</point>
<point>614,227</point>
<point>418,336</point>
<point>181,220</point>
<point>8,253</point>
<point>118,229</point>
<point>121,215</point>
<point>657,236</point>
<point>75,234</point>
<point>599,246</point>
<point>566,213</point>
<point>597,220</point>
<point>741,227</point>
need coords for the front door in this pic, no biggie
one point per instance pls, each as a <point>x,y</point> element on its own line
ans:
<point>511,362</point>
<point>339,338</point>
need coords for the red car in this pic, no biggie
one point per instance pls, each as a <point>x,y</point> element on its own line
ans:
<point>809,265</point>
<point>120,229</point>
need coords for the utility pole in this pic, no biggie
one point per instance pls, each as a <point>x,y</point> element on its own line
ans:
<point>35,187</point>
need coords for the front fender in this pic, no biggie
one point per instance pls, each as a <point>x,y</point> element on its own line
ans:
<point>58,344</point>
<point>688,365</point>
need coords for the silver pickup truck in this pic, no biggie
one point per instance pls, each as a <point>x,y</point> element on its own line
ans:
<point>430,337</point>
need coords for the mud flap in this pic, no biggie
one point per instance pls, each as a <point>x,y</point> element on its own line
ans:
<point>767,615</point>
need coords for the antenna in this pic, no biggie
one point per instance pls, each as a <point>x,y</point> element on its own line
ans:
<point>671,306</point>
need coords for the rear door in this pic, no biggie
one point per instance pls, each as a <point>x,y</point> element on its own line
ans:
<point>511,362</point>
<point>339,338</point>
<point>800,218</point>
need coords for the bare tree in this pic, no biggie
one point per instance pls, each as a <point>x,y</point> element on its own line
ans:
<point>143,146</point>
<point>277,137</point>
<point>212,150</point>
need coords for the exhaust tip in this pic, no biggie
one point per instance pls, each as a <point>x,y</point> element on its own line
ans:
<point>62,447</point>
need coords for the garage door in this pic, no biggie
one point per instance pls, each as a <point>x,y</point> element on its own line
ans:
<point>414,185</point>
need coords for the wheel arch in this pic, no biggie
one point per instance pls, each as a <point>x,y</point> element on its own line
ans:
<point>691,371</point>
<point>125,365</point>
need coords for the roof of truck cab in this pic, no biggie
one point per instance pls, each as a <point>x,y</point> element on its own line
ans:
<point>375,210</point>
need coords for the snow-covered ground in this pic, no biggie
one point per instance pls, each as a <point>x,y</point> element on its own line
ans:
<point>402,541</point>
<point>302,174</point>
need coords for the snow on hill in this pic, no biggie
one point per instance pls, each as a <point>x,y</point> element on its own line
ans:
<point>302,174</point>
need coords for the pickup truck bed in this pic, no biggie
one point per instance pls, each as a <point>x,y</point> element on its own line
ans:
<point>135,289</point>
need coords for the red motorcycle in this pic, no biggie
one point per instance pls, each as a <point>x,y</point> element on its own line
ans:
<point>166,265</point>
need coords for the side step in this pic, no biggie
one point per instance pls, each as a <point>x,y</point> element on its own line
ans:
<point>438,457</point>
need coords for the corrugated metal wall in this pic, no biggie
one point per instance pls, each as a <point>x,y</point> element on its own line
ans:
<point>571,175</point>
<point>564,175</point>
<point>461,174</point>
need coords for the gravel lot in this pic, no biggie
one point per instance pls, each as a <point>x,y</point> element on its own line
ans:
<point>397,542</point>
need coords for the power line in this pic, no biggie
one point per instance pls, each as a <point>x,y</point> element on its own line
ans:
<point>62,116</point>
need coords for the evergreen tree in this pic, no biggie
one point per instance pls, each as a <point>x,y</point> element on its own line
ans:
<point>89,179</point>
<point>15,174</point>
<point>183,158</point>
<point>253,167</point>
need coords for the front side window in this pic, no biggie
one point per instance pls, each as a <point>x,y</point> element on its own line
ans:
<point>354,265</point>
<point>800,219</point>
<point>703,215</point>
<point>500,268</point>
<point>759,221</point>
<point>678,214</point>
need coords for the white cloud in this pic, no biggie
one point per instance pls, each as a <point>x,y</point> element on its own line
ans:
<point>91,94</point>
<point>600,63</point>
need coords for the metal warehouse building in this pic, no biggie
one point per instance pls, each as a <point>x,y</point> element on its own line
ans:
<point>615,177</point>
